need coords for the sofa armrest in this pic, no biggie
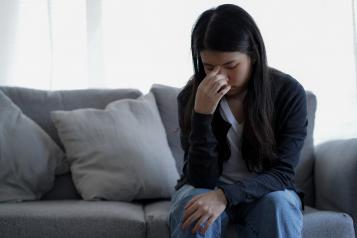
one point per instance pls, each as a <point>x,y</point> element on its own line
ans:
<point>336,176</point>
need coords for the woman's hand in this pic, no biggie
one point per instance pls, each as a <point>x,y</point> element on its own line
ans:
<point>204,208</point>
<point>210,91</point>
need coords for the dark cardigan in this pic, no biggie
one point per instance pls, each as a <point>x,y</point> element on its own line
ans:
<point>206,147</point>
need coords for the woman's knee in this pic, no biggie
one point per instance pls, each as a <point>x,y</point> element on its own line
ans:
<point>277,208</point>
<point>282,199</point>
<point>181,198</point>
<point>186,193</point>
<point>284,203</point>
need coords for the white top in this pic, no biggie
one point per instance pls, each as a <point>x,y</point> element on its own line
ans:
<point>234,169</point>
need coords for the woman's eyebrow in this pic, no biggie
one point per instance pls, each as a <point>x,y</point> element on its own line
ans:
<point>223,64</point>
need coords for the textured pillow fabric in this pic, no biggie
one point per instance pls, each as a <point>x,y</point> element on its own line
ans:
<point>119,153</point>
<point>29,158</point>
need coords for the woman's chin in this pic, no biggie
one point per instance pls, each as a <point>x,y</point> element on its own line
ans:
<point>234,91</point>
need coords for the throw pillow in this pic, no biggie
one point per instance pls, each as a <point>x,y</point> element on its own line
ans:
<point>119,153</point>
<point>29,158</point>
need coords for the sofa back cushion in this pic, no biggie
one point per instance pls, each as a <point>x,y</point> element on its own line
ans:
<point>37,104</point>
<point>167,104</point>
<point>305,168</point>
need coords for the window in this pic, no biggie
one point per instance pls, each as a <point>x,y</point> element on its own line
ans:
<point>71,44</point>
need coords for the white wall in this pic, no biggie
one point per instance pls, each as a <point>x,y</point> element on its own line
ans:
<point>311,40</point>
<point>71,44</point>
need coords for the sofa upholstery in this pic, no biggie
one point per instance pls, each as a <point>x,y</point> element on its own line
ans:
<point>62,213</point>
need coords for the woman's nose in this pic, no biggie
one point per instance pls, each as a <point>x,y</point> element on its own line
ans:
<point>222,71</point>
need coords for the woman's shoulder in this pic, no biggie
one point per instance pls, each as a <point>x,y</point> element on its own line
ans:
<point>284,85</point>
<point>281,79</point>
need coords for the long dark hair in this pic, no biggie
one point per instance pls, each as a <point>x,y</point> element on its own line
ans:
<point>230,28</point>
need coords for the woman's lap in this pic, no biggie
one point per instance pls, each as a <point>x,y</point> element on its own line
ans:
<point>273,214</point>
<point>277,214</point>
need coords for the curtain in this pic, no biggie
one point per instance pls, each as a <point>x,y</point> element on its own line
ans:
<point>72,44</point>
<point>354,25</point>
<point>8,16</point>
<point>46,44</point>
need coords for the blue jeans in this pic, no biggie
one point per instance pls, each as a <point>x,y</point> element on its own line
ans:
<point>277,214</point>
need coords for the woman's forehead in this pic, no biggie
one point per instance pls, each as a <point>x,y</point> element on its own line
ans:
<point>210,57</point>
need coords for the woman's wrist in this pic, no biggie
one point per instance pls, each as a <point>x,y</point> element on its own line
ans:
<point>221,195</point>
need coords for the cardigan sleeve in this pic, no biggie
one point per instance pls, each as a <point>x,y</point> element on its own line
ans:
<point>290,139</point>
<point>201,157</point>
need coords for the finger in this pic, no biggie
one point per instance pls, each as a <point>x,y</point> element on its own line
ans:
<point>214,71</point>
<point>199,223</point>
<point>216,78</point>
<point>194,199</point>
<point>193,217</point>
<point>208,224</point>
<point>217,86</point>
<point>188,212</point>
<point>212,75</point>
<point>223,91</point>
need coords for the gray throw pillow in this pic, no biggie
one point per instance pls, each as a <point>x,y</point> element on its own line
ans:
<point>29,158</point>
<point>119,153</point>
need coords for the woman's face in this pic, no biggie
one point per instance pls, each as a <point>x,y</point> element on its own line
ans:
<point>235,66</point>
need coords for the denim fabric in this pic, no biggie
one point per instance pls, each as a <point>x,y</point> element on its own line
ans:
<point>277,214</point>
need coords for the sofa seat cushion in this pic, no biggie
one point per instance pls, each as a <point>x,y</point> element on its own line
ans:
<point>317,223</point>
<point>325,224</point>
<point>72,218</point>
<point>156,216</point>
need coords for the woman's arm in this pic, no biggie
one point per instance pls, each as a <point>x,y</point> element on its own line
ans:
<point>201,163</point>
<point>292,122</point>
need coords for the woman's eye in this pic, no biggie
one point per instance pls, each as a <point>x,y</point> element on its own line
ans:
<point>232,67</point>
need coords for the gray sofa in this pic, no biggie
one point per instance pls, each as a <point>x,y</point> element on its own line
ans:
<point>327,173</point>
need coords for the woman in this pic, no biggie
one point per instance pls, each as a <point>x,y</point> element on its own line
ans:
<point>243,125</point>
